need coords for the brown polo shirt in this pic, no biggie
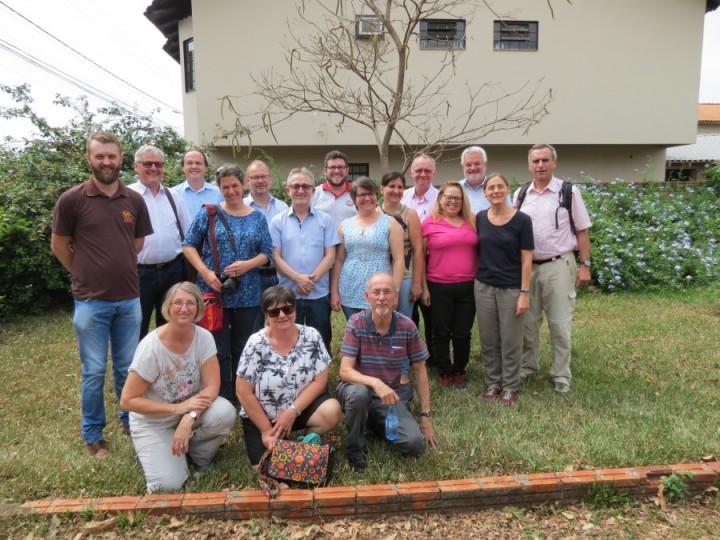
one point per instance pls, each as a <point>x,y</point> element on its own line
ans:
<point>103,231</point>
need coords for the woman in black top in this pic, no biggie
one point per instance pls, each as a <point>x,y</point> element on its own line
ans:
<point>501,291</point>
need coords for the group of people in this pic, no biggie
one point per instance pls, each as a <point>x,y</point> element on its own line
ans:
<point>448,254</point>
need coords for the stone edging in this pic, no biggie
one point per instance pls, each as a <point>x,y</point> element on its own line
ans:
<point>365,501</point>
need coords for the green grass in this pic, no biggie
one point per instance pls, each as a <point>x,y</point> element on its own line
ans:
<point>645,391</point>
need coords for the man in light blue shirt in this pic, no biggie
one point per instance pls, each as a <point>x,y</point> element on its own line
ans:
<point>474,164</point>
<point>195,190</point>
<point>261,199</point>
<point>304,244</point>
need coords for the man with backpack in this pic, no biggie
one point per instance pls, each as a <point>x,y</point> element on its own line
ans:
<point>560,228</point>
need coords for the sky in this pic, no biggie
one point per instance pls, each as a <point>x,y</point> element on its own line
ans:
<point>124,61</point>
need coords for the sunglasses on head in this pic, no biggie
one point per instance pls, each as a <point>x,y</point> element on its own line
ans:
<point>287,310</point>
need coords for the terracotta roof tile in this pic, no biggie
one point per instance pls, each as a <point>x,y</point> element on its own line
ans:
<point>708,112</point>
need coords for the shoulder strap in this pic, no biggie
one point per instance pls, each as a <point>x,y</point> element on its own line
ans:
<point>212,213</point>
<point>566,202</point>
<point>225,223</point>
<point>174,209</point>
<point>522,193</point>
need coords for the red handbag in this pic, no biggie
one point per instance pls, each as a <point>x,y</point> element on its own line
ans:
<point>212,319</point>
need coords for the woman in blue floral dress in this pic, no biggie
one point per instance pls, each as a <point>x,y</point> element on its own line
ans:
<point>370,242</point>
<point>282,378</point>
<point>241,253</point>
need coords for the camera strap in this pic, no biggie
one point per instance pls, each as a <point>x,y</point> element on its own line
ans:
<point>214,211</point>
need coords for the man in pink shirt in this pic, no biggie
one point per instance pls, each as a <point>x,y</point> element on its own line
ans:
<point>555,274</point>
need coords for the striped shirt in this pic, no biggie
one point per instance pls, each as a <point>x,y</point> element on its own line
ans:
<point>382,356</point>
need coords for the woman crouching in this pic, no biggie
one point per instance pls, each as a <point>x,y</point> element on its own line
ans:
<point>172,394</point>
<point>282,378</point>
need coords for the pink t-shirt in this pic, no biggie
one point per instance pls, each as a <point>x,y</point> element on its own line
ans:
<point>452,251</point>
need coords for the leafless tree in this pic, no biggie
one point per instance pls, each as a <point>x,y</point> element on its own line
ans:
<point>369,82</point>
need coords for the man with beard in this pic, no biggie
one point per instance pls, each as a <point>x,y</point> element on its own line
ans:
<point>474,164</point>
<point>377,342</point>
<point>98,229</point>
<point>333,197</point>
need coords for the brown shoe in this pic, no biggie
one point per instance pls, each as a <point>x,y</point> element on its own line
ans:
<point>126,430</point>
<point>492,393</point>
<point>98,449</point>
<point>508,398</point>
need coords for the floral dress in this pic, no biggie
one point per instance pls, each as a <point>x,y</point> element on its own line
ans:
<point>368,252</point>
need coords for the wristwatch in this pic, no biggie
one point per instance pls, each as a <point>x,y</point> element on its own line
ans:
<point>193,415</point>
<point>526,291</point>
<point>587,263</point>
<point>426,414</point>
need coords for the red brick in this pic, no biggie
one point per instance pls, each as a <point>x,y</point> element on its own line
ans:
<point>37,504</point>
<point>700,471</point>
<point>292,504</point>
<point>375,494</point>
<point>334,511</point>
<point>544,485</point>
<point>499,485</point>
<point>413,492</point>
<point>334,496</point>
<point>203,503</point>
<point>254,502</point>
<point>160,503</point>
<point>116,504</point>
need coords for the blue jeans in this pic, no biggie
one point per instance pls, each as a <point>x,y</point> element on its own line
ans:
<point>97,322</point>
<point>405,306</point>
<point>316,313</point>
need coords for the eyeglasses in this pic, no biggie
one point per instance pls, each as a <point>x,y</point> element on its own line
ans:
<point>423,171</point>
<point>149,164</point>
<point>189,304</point>
<point>301,187</point>
<point>259,177</point>
<point>385,292</point>
<point>369,195</point>
<point>452,198</point>
<point>287,310</point>
<point>336,167</point>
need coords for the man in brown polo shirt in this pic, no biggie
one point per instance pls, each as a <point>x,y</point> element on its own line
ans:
<point>98,229</point>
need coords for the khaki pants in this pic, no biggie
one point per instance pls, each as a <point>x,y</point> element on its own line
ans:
<point>552,292</point>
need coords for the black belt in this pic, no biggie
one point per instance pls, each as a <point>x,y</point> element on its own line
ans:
<point>160,266</point>
<point>268,272</point>
<point>551,259</point>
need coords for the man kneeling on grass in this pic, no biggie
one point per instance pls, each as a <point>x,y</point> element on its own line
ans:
<point>377,343</point>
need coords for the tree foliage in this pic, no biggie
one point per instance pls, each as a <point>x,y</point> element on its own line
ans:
<point>34,173</point>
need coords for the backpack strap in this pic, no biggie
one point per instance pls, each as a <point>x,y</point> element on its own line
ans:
<point>174,209</point>
<point>565,201</point>
<point>211,210</point>
<point>522,193</point>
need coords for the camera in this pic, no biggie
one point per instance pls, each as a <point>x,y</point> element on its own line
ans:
<point>228,284</point>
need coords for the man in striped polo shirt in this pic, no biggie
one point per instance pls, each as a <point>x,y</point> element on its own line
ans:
<point>377,342</point>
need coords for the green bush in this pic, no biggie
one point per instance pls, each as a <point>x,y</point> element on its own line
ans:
<point>653,236</point>
<point>34,175</point>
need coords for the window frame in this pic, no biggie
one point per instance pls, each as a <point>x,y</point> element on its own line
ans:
<point>356,170</point>
<point>189,64</point>
<point>431,38</point>
<point>508,36</point>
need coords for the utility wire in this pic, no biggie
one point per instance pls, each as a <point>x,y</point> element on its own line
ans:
<point>85,87</point>
<point>89,60</point>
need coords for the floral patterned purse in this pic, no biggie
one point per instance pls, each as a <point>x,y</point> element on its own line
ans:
<point>297,464</point>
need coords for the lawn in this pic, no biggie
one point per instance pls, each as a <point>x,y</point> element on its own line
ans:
<point>645,391</point>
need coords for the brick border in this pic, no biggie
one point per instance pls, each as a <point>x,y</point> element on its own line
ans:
<point>563,488</point>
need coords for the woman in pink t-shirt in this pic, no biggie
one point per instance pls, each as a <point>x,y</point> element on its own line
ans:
<point>450,246</point>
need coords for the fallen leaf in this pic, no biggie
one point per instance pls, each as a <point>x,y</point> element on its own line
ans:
<point>329,528</point>
<point>391,536</point>
<point>99,526</point>
<point>661,497</point>
<point>568,515</point>
<point>588,527</point>
<point>175,523</point>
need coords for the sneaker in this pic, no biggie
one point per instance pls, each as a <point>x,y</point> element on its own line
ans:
<point>460,381</point>
<point>508,398</point>
<point>98,449</point>
<point>562,388</point>
<point>492,393</point>
<point>357,464</point>
<point>446,380</point>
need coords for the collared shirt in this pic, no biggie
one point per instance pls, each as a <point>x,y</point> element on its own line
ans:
<point>103,230</point>
<point>382,356</point>
<point>339,208</point>
<point>302,246</point>
<point>542,207</point>
<point>422,204</point>
<point>194,200</point>
<point>275,206</point>
<point>476,196</point>
<point>165,243</point>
